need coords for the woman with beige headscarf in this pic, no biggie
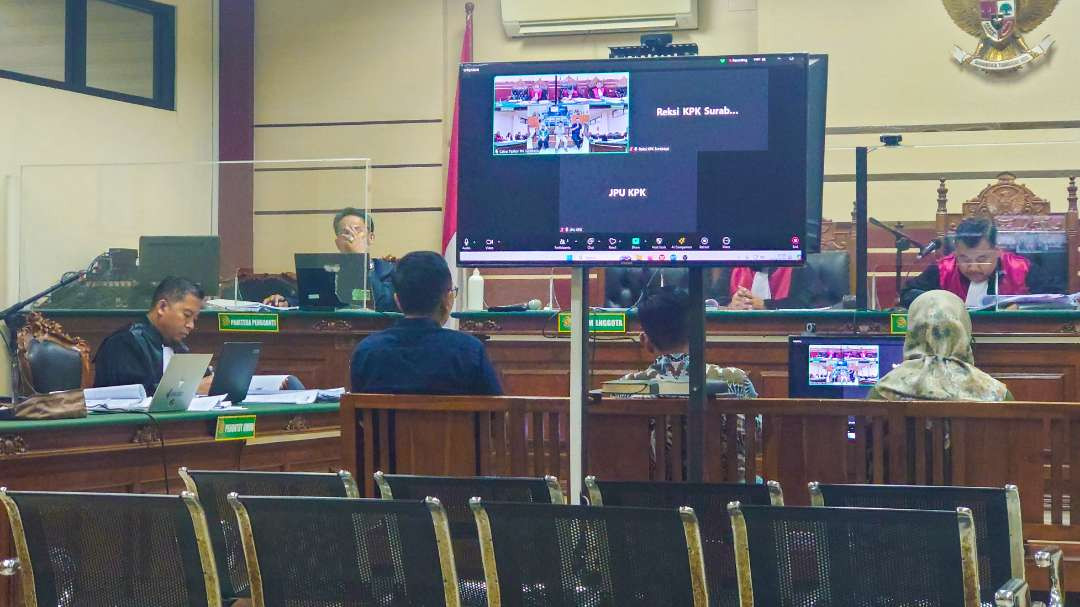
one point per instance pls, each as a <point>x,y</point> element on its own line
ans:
<point>938,360</point>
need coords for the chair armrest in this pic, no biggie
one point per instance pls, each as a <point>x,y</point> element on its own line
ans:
<point>1049,557</point>
<point>1014,593</point>
<point>9,567</point>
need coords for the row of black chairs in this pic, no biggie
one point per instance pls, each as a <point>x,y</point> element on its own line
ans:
<point>510,541</point>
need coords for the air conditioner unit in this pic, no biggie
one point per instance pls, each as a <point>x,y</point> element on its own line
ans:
<point>559,17</point>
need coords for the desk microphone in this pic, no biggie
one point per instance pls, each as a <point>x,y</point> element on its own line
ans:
<point>932,246</point>
<point>532,304</point>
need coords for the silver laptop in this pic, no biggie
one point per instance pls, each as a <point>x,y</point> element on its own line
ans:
<point>178,385</point>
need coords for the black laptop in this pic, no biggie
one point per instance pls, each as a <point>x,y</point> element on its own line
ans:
<point>327,281</point>
<point>235,368</point>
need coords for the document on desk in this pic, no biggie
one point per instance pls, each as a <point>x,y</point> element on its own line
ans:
<point>284,397</point>
<point>213,403</point>
<point>117,398</point>
<point>269,384</point>
<point>1047,300</point>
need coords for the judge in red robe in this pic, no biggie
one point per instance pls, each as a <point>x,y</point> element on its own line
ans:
<point>978,268</point>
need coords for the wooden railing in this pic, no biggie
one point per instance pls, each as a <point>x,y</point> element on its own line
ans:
<point>938,443</point>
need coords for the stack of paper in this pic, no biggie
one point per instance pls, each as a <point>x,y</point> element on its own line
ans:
<point>272,389</point>
<point>133,398</point>
<point>1031,301</point>
<point>239,305</point>
<point>116,398</point>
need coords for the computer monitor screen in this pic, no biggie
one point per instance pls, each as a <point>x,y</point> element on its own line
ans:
<point>678,161</point>
<point>194,257</point>
<point>840,366</point>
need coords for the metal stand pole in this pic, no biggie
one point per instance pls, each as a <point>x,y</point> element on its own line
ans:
<point>579,379</point>
<point>860,228</point>
<point>695,422</point>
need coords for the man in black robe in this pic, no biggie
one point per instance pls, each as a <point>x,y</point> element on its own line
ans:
<point>139,353</point>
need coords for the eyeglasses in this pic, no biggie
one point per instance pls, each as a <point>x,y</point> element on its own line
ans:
<point>454,291</point>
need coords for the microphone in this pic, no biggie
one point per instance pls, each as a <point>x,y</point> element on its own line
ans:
<point>932,246</point>
<point>532,304</point>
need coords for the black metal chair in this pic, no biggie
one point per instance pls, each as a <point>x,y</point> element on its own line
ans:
<point>709,501</point>
<point>854,557</point>
<point>320,551</point>
<point>545,555</point>
<point>212,488</point>
<point>111,549</point>
<point>998,526</point>
<point>455,493</point>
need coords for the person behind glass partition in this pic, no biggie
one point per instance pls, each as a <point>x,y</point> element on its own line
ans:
<point>978,267</point>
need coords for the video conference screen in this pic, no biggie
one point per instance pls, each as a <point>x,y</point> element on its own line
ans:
<point>681,161</point>
<point>840,366</point>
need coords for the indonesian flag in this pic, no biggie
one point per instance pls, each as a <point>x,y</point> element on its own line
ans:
<point>449,230</point>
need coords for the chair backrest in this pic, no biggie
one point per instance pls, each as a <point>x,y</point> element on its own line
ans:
<point>50,360</point>
<point>998,526</point>
<point>1025,224</point>
<point>212,488</point>
<point>709,502</point>
<point>789,557</point>
<point>455,493</point>
<point>542,554</point>
<point>111,549</point>
<point>322,551</point>
<point>830,276</point>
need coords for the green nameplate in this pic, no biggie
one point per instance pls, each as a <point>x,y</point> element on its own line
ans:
<point>252,323</point>
<point>360,296</point>
<point>898,324</point>
<point>235,427</point>
<point>599,322</point>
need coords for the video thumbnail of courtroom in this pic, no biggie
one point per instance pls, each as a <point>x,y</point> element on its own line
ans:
<point>501,302</point>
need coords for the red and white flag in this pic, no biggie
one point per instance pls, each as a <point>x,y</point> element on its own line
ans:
<point>449,230</point>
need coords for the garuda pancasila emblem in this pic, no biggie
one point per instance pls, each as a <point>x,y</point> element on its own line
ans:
<point>998,24</point>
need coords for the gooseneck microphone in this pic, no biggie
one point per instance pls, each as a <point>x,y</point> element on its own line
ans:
<point>932,246</point>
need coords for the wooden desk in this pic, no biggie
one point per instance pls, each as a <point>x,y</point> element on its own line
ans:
<point>990,444</point>
<point>1036,353</point>
<point>122,453</point>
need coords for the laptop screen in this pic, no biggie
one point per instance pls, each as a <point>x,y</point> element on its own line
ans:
<point>840,366</point>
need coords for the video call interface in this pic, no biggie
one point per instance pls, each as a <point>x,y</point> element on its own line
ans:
<point>690,160</point>
<point>840,367</point>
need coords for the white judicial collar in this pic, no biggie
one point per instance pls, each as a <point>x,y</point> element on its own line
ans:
<point>976,292</point>
<point>760,287</point>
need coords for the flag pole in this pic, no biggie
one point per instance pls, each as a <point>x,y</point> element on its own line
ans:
<point>449,231</point>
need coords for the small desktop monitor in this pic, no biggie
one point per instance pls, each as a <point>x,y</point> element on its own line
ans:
<point>196,258</point>
<point>840,366</point>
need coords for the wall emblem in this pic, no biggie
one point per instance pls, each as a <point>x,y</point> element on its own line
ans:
<point>998,25</point>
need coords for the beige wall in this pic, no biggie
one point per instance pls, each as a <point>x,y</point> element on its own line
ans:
<point>45,125</point>
<point>346,61</point>
<point>343,61</point>
<point>890,64</point>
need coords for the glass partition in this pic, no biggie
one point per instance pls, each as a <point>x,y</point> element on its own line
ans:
<point>929,183</point>
<point>228,226</point>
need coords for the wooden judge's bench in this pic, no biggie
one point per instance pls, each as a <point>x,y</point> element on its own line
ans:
<point>1037,353</point>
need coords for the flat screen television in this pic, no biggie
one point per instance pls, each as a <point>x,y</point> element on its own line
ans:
<point>840,366</point>
<point>670,162</point>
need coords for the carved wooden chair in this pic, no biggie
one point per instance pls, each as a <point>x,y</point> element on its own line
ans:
<point>50,360</point>
<point>1025,223</point>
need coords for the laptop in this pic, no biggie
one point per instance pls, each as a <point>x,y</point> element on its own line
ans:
<point>235,368</point>
<point>178,385</point>
<point>327,281</point>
